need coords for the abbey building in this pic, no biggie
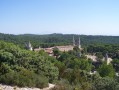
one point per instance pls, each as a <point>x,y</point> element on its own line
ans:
<point>61,48</point>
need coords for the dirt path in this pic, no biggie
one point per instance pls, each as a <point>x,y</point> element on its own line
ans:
<point>6,87</point>
<point>50,86</point>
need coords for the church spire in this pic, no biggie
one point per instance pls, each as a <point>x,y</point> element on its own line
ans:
<point>28,46</point>
<point>79,42</point>
<point>73,41</point>
<point>107,58</point>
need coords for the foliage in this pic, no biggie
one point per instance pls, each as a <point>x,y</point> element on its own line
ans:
<point>56,52</point>
<point>106,83</point>
<point>106,70</point>
<point>25,68</point>
<point>100,50</point>
<point>71,60</point>
<point>24,78</point>
<point>115,63</point>
<point>49,40</point>
<point>69,69</point>
<point>73,80</point>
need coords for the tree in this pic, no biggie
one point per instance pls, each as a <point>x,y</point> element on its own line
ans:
<point>56,52</point>
<point>22,67</point>
<point>99,55</point>
<point>115,63</point>
<point>105,83</point>
<point>106,70</point>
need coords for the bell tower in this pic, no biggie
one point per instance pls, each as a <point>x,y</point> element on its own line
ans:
<point>107,58</point>
<point>73,41</point>
<point>28,46</point>
<point>79,44</point>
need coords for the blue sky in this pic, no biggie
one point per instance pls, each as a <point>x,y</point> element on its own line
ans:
<point>90,17</point>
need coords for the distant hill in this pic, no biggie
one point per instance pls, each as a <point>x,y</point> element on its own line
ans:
<point>57,39</point>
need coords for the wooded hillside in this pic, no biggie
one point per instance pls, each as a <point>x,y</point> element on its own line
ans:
<point>57,39</point>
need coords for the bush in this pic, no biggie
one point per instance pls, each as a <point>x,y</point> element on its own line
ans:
<point>22,80</point>
<point>25,68</point>
<point>106,70</point>
<point>106,83</point>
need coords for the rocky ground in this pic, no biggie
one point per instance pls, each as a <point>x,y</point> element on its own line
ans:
<point>6,87</point>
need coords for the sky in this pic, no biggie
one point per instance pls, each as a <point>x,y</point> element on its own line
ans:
<point>89,17</point>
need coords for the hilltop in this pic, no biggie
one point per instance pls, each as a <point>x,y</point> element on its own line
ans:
<point>48,40</point>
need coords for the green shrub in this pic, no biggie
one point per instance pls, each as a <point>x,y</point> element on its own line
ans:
<point>22,80</point>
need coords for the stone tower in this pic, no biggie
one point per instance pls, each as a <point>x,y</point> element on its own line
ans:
<point>28,46</point>
<point>73,41</point>
<point>107,58</point>
<point>79,44</point>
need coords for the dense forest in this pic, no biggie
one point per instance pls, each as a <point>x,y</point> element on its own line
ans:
<point>68,70</point>
<point>25,68</point>
<point>57,39</point>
